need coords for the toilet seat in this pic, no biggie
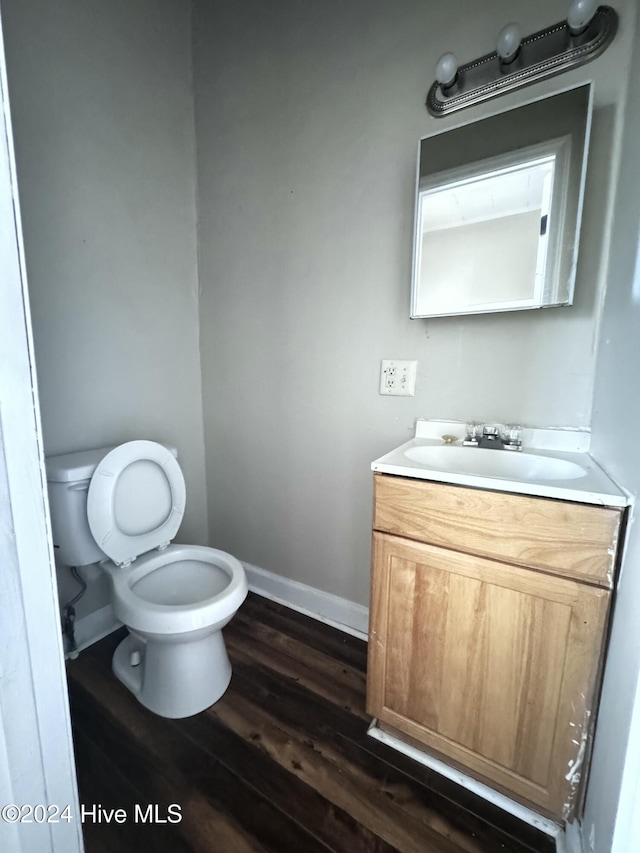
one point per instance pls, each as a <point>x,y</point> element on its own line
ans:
<point>136,500</point>
<point>141,614</point>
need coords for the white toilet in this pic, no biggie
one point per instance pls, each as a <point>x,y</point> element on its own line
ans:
<point>122,507</point>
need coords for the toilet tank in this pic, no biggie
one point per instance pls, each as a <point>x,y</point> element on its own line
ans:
<point>68,478</point>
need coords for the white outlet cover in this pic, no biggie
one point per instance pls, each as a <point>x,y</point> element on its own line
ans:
<point>398,378</point>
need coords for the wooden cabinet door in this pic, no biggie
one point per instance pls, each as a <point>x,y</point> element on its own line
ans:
<point>490,665</point>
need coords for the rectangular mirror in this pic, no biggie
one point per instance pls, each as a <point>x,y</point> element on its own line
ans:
<point>498,210</point>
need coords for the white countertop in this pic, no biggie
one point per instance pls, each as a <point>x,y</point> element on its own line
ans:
<point>593,487</point>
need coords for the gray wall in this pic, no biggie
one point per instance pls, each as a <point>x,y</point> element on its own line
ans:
<point>308,117</point>
<point>616,416</point>
<point>101,96</point>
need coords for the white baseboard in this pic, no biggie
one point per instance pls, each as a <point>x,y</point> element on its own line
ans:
<point>568,837</point>
<point>339,612</point>
<point>505,803</point>
<point>331,609</point>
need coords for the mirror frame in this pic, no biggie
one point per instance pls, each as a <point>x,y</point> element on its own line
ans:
<point>562,255</point>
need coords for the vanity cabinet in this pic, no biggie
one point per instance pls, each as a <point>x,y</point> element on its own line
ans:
<point>487,629</point>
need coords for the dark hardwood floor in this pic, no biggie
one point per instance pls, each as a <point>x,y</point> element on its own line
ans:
<point>281,763</point>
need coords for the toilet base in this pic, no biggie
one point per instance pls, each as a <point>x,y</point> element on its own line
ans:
<point>174,678</point>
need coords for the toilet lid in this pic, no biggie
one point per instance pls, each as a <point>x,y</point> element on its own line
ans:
<point>136,500</point>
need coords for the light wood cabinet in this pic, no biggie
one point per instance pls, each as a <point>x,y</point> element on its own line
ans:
<point>482,648</point>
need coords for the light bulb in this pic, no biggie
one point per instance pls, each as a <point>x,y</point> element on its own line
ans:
<point>446,70</point>
<point>580,14</point>
<point>508,43</point>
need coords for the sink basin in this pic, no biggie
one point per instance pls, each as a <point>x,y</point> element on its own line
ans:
<point>503,464</point>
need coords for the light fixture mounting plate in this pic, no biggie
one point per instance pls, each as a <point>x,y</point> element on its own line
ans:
<point>543,54</point>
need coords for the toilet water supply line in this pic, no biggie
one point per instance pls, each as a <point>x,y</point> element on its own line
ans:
<point>69,613</point>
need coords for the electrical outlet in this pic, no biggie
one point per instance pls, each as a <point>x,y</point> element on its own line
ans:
<point>398,378</point>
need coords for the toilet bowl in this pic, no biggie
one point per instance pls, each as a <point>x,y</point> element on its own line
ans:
<point>174,599</point>
<point>175,603</point>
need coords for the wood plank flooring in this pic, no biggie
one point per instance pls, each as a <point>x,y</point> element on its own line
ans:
<point>282,763</point>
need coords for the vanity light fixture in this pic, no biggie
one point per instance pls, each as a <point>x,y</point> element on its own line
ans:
<point>587,32</point>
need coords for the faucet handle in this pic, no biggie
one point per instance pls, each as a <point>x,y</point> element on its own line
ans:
<point>474,433</point>
<point>512,436</point>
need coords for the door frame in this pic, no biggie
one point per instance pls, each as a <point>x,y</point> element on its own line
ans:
<point>37,764</point>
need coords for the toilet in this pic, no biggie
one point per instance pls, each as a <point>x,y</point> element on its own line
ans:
<point>121,507</point>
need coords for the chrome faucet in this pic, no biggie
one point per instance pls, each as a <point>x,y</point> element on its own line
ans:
<point>490,438</point>
<point>493,436</point>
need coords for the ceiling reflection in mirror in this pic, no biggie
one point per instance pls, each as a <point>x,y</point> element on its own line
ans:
<point>498,210</point>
